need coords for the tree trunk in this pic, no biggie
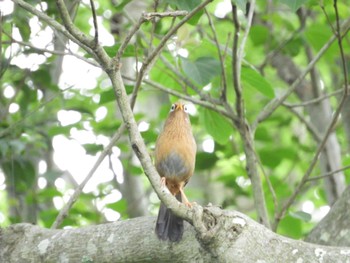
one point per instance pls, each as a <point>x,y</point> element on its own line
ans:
<point>334,228</point>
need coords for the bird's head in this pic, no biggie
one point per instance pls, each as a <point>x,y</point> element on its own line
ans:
<point>178,107</point>
<point>178,114</point>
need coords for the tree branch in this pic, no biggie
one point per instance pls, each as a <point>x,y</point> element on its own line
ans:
<point>65,210</point>
<point>155,53</point>
<point>221,58</point>
<point>275,103</point>
<point>246,241</point>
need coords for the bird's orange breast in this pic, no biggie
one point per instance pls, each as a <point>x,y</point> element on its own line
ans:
<point>176,151</point>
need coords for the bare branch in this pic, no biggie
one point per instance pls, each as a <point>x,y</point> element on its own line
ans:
<point>314,132</point>
<point>93,9</point>
<point>69,25</point>
<point>65,210</point>
<point>53,24</point>
<point>54,52</point>
<point>152,15</point>
<point>183,96</point>
<point>221,58</point>
<point>155,53</point>
<point>275,103</point>
<point>315,178</point>
<point>313,101</point>
<point>236,67</point>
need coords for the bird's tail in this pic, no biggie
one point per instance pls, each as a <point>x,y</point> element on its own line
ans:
<point>169,226</point>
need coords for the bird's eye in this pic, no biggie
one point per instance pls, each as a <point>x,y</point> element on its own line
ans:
<point>185,109</point>
<point>173,107</point>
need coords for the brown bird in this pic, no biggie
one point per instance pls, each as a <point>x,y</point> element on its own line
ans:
<point>175,156</point>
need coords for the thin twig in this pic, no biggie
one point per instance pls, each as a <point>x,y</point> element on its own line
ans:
<point>242,124</point>
<point>69,25</point>
<point>340,43</point>
<point>268,181</point>
<point>152,15</point>
<point>313,101</point>
<point>183,96</point>
<point>55,25</point>
<point>315,178</point>
<point>222,64</point>
<point>236,67</point>
<point>65,210</point>
<point>128,37</point>
<point>54,52</point>
<point>314,132</point>
<point>143,18</point>
<point>94,17</point>
<point>154,24</point>
<point>151,58</point>
<point>84,41</point>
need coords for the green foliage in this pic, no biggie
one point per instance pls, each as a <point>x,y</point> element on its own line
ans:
<point>202,70</point>
<point>293,4</point>
<point>216,125</point>
<point>253,79</point>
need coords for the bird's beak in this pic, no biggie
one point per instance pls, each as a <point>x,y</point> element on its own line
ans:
<point>180,107</point>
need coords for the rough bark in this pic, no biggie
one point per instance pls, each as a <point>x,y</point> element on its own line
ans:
<point>334,228</point>
<point>229,237</point>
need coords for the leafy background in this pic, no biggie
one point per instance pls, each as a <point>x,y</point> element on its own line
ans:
<point>34,95</point>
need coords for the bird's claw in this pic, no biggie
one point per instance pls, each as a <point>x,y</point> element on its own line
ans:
<point>189,204</point>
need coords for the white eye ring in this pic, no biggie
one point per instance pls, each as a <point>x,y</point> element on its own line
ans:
<point>185,109</point>
<point>173,107</point>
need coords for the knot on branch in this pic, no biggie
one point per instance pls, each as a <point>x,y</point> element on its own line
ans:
<point>206,221</point>
<point>211,222</point>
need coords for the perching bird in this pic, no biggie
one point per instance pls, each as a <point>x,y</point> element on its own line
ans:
<point>175,156</point>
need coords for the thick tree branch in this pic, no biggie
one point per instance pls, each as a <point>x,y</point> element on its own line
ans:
<point>334,228</point>
<point>247,241</point>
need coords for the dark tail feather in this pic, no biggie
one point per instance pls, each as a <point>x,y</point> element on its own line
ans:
<point>169,226</point>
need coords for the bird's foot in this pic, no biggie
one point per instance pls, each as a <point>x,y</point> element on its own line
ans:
<point>163,181</point>
<point>189,204</point>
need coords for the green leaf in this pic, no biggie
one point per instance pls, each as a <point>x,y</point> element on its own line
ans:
<point>188,6</point>
<point>293,4</point>
<point>273,156</point>
<point>301,215</point>
<point>120,7</point>
<point>109,95</point>
<point>253,79</point>
<point>92,149</point>
<point>259,35</point>
<point>205,161</point>
<point>129,51</point>
<point>291,227</point>
<point>216,125</point>
<point>185,4</point>
<point>202,70</point>
<point>120,207</point>
<point>42,76</point>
